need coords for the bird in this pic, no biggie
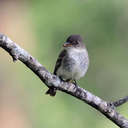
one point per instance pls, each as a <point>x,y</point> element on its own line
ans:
<point>72,62</point>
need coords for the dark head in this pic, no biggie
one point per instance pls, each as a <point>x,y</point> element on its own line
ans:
<point>74,41</point>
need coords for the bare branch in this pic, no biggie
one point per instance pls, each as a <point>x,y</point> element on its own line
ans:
<point>49,79</point>
<point>120,101</point>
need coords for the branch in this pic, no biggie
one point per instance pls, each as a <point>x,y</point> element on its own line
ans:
<point>106,108</point>
<point>120,101</point>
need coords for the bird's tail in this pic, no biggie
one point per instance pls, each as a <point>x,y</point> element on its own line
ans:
<point>51,91</point>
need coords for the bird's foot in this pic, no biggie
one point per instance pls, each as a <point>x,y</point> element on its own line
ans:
<point>72,81</point>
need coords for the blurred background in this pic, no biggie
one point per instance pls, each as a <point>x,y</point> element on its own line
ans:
<point>41,27</point>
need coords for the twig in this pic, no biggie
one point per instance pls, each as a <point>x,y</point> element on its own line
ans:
<point>49,79</point>
<point>120,101</point>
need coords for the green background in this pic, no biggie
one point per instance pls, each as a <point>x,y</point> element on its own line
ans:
<point>103,24</point>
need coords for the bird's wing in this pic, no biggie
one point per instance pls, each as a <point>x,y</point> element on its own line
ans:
<point>59,60</point>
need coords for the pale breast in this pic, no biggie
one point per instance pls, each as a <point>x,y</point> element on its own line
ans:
<point>74,65</point>
<point>81,63</point>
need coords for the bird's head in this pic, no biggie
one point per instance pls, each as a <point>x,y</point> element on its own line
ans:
<point>74,41</point>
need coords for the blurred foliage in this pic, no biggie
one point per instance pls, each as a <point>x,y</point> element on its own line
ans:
<point>104,26</point>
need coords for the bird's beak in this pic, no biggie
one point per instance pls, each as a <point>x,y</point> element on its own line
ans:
<point>66,44</point>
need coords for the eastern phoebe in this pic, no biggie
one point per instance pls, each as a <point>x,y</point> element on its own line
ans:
<point>73,61</point>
